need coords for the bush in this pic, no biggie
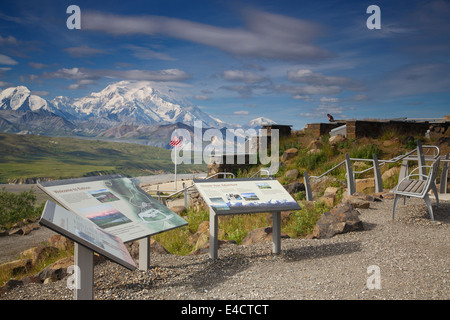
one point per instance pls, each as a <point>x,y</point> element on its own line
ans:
<point>366,152</point>
<point>15,207</point>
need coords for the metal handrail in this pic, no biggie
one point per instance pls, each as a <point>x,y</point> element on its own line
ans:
<point>259,171</point>
<point>178,193</point>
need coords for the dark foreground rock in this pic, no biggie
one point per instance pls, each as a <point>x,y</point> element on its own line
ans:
<point>342,218</point>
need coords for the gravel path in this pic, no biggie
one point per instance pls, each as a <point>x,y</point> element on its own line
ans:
<point>412,254</point>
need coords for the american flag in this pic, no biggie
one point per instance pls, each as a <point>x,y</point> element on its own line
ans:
<point>175,142</point>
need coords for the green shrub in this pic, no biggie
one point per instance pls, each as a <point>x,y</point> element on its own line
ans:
<point>365,151</point>
<point>15,207</point>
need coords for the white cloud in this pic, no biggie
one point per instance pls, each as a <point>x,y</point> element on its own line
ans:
<point>7,60</point>
<point>242,76</point>
<point>265,35</point>
<point>241,112</point>
<point>83,51</point>
<point>84,76</point>
<point>307,76</point>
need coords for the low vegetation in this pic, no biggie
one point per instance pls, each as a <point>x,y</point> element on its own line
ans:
<point>64,157</point>
<point>35,157</point>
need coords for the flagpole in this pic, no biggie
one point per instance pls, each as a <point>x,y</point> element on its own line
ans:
<point>176,167</point>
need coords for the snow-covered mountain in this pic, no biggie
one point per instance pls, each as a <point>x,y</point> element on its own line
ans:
<point>135,103</point>
<point>122,110</point>
<point>20,99</point>
<point>259,122</point>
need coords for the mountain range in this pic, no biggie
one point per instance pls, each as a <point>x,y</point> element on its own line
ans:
<point>129,111</point>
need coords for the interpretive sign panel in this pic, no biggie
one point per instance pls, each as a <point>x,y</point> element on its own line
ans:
<point>234,196</point>
<point>86,233</point>
<point>115,204</point>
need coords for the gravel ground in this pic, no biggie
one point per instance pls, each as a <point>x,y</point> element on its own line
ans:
<point>412,254</point>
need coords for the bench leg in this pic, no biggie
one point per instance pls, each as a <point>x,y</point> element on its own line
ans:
<point>430,209</point>
<point>395,205</point>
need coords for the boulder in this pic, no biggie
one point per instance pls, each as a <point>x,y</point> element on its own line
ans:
<point>329,197</point>
<point>364,184</point>
<point>390,173</point>
<point>39,253</point>
<point>57,270</point>
<point>292,174</point>
<point>9,285</point>
<point>289,154</point>
<point>294,187</point>
<point>336,139</point>
<point>342,218</point>
<point>16,266</point>
<point>178,209</point>
<point>260,235</point>
<point>60,242</point>
<point>315,144</point>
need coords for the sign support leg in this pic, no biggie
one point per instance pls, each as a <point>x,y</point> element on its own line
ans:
<point>276,232</point>
<point>144,253</point>
<point>84,260</point>
<point>213,234</point>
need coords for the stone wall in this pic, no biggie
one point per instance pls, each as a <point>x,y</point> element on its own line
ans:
<point>373,129</point>
<point>319,129</point>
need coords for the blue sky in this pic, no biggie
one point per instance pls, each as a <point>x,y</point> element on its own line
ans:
<point>290,61</point>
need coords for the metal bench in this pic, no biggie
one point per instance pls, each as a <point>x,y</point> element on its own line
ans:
<point>418,188</point>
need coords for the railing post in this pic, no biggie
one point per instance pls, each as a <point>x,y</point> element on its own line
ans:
<point>307,186</point>
<point>421,160</point>
<point>444,176</point>
<point>351,189</point>
<point>403,170</point>
<point>377,174</point>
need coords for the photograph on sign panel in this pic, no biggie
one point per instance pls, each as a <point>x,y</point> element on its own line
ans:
<point>104,216</point>
<point>103,195</point>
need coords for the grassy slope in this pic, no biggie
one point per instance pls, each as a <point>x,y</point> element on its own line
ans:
<point>28,156</point>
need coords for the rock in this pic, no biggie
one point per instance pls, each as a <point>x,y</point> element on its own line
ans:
<point>292,174</point>
<point>260,235</point>
<point>16,266</point>
<point>329,197</point>
<point>294,187</point>
<point>178,209</point>
<point>364,184</point>
<point>342,218</point>
<point>9,285</point>
<point>26,229</point>
<point>15,231</point>
<point>358,200</point>
<point>289,154</point>
<point>443,140</point>
<point>57,270</point>
<point>60,242</point>
<point>336,139</point>
<point>315,144</point>
<point>39,253</point>
<point>157,247</point>
<point>390,173</point>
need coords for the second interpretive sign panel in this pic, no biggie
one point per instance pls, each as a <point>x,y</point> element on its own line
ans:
<point>235,196</point>
<point>114,203</point>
